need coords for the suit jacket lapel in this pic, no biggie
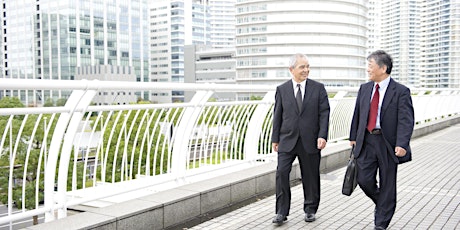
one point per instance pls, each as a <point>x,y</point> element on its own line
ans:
<point>290,92</point>
<point>367,99</point>
<point>308,92</point>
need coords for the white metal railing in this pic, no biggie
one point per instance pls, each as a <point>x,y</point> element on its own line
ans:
<point>55,157</point>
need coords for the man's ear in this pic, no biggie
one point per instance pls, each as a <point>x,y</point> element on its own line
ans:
<point>384,68</point>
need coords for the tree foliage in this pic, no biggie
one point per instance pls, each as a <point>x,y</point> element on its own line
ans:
<point>121,146</point>
<point>49,102</point>
<point>11,102</point>
<point>24,179</point>
<point>61,102</point>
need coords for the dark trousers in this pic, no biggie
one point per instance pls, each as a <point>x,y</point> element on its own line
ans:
<point>375,156</point>
<point>309,167</point>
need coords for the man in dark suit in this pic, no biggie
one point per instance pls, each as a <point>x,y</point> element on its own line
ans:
<point>300,129</point>
<point>381,135</point>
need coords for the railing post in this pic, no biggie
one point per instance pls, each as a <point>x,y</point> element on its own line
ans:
<point>53,154</point>
<point>66,150</point>
<point>251,140</point>
<point>62,125</point>
<point>184,132</point>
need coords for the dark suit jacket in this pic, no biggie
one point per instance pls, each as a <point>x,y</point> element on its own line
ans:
<point>310,124</point>
<point>396,118</point>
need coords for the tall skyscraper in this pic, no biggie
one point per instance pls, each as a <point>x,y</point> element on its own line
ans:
<point>331,33</point>
<point>423,38</point>
<point>400,37</point>
<point>440,44</point>
<point>222,21</point>
<point>373,25</point>
<point>173,25</point>
<point>49,39</point>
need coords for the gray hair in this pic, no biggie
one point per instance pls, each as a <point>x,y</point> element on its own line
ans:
<point>382,59</point>
<point>293,59</point>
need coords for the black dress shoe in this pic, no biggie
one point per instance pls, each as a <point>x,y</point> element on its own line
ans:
<point>310,217</point>
<point>279,219</point>
<point>379,228</point>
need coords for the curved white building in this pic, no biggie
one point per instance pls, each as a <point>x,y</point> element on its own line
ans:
<point>331,33</point>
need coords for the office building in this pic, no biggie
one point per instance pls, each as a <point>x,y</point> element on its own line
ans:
<point>50,39</point>
<point>440,44</point>
<point>206,65</point>
<point>423,38</point>
<point>331,33</point>
<point>400,37</point>
<point>109,73</point>
<point>222,23</point>
<point>174,24</point>
<point>373,26</point>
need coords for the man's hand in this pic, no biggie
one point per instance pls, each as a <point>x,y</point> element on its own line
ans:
<point>352,143</point>
<point>275,147</point>
<point>400,152</point>
<point>321,143</point>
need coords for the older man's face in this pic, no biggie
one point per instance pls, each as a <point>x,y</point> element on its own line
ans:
<point>301,70</point>
<point>376,73</point>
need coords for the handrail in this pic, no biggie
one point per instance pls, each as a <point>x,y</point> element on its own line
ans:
<point>79,153</point>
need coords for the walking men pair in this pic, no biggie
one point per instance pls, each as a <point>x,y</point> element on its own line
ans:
<point>380,131</point>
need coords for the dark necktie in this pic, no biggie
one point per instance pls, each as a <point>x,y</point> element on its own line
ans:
<point>374,109</point>
<point>298,97</point>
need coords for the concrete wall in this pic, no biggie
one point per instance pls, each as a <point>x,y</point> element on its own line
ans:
<point>193,203</point>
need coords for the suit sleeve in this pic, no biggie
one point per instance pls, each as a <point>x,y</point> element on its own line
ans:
<point>277,117</point>
<point>405,119</point>
<point>324,111</point>
<point>355,119</point>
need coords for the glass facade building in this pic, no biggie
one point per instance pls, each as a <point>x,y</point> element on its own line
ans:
<point>331,33</point>
<point>50,39</point>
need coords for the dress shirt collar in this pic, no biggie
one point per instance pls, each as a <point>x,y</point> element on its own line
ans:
<point>302,84</point>
<point>383,85</point>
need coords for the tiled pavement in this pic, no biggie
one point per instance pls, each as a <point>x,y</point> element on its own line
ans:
<point>428,195</point>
